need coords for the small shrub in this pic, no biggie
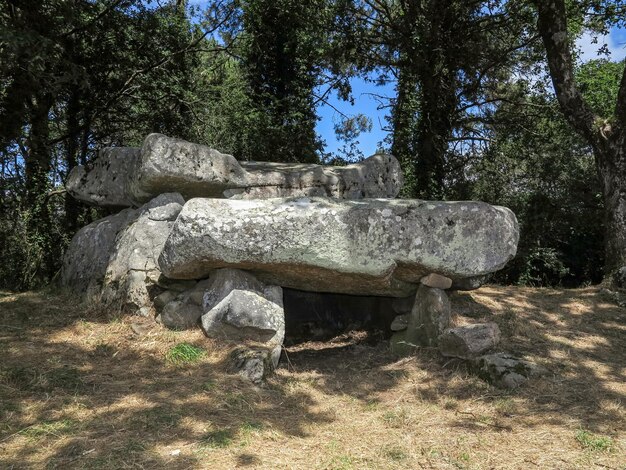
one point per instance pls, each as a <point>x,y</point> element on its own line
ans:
<point>185,353</point>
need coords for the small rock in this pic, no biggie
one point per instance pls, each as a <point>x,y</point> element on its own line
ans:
<point>163,299</point>
<point>180,315</point>
<point>400,322</point>
<point>254,364</point>
<point>139,329</point>
<point>505,370</point>
<point>469,340</point>
<point>437,280</point>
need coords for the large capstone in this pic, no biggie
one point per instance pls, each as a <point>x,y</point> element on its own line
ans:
<point>105,182</point>
<point>131,176</point>
<point>367,247</point>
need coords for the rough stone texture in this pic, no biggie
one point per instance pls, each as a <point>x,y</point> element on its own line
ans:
<point>400,323</point>
<point>469,340</point>
<point>246,315</point>
<point>369,247</point>
<point>504,370</point>
<point>167,164</point>
<point>132,267</point>
<point>180,314</point>
<point>429,318</point>
<point>222,282</point>
<point>87,257</point>
<point>254,363</point>
<point>105,182</point>
<point>436,280</point>
<point>469,283</point>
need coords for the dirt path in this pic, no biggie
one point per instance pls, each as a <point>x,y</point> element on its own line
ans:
<point>85,390</point>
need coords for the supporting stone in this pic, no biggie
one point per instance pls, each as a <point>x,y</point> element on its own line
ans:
<point>437,280</point>
<point>429,318</point>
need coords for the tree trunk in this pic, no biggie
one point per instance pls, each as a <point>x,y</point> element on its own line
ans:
<point>611,163</point>
<point>607,137</point>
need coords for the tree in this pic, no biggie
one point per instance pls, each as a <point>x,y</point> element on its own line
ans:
<point>605,133</point>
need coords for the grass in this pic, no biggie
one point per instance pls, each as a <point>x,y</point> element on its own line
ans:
<point>185,353</point>
<point>78,390</point>
<point>594,442</point>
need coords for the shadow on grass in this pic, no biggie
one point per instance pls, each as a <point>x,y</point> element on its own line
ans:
<point>98,396</point>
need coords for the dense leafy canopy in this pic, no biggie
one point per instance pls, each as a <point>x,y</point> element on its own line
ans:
<point>473,116</point>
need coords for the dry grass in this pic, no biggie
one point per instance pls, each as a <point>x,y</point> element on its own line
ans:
<point>85,390</point>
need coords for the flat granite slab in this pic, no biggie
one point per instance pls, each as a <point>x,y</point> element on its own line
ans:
<point>367,247</point>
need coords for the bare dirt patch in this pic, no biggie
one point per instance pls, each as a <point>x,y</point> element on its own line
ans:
<point>81,389</point>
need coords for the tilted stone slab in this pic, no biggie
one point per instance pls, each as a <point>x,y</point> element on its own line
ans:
<point>127,176</point>
<point>105,183</point>
<point>368,247</point>
<point>198,171</point>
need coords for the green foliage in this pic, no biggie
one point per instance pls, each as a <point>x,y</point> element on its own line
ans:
<point>594,442</point>
<point>185,353</point>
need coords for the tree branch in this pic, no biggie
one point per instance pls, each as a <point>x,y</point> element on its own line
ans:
<point>552,24</point>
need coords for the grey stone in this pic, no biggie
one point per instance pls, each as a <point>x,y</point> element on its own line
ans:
<point>436,280</point>
<point>166,164</point>
<point>469,283</point>
<point>429,318</point>
<point>368,247</point>
<point>105,182</point>
<point>132,266</point>
<point>254,364</point>
<point>469,340</point>
<point>180,315</point>
<point>403,305</point>
<point>245,315</point>
<point>163,299</point>
<point>505,370</point>
<point>222,282</point>
<point>400,323</point>
<point>87,256</point>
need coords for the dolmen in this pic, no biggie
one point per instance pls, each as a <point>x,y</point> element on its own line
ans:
<point>203,239</point>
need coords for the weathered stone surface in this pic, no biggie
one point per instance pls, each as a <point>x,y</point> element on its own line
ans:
<point>400,323</point>
<point>254,363</point>
<point>246,315</point>
<point>167,164</point>
<point>369,247</point>
<point>132,265</point>
<point>436,280</point>
<point>428,319</point>
<point>87,257</point>
<point>469,340</point>
<point>504,370</point>
<point>180,314</point>
<point>105,183</point>
<point>163,299</point>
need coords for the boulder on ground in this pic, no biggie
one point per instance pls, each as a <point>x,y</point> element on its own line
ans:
<point>132,271</point>
<point>368,247</point>
<point>114,260</point>
<point>254,364</point>
<point>469,340</point>
<point>180,314</point>
<point>87,256</point>
<point>105,182</point>
<point>505,370</point>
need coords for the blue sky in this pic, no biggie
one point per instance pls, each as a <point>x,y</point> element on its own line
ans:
<point>366,104</point>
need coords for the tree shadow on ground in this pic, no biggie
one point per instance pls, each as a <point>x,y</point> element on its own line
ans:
<point>85,391</point>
